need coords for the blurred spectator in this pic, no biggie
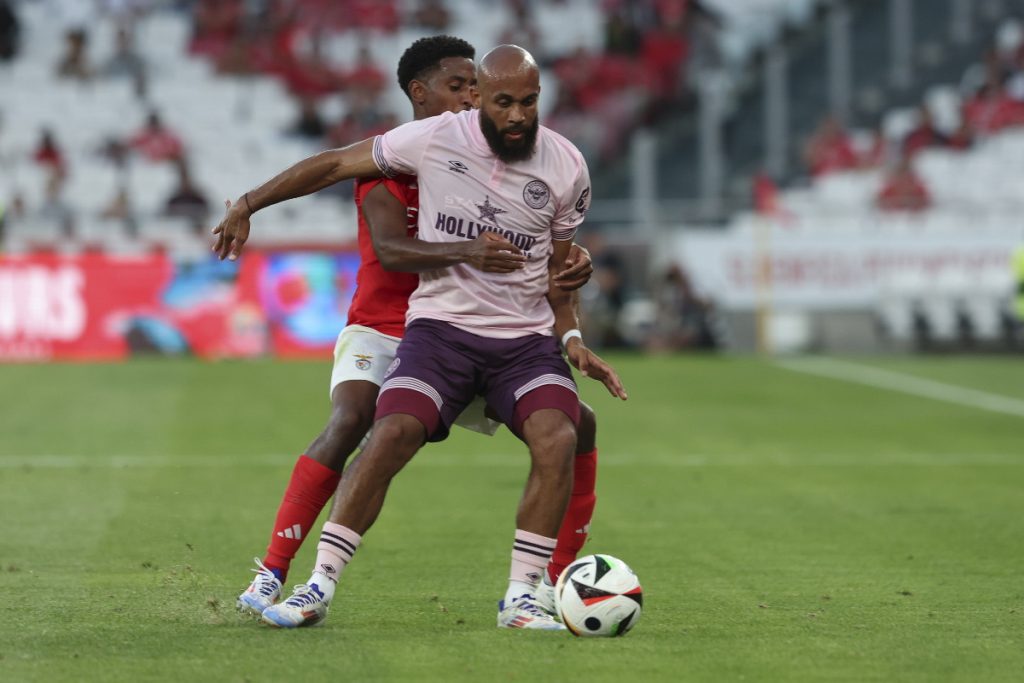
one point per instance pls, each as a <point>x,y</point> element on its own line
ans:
<point>991,109</point>
<point>48,153</point>
<point>606,297</point>
<point>216,24</point>
<point>622,34</point>
<point>187,201</point>
<point>309,75</point>
<point>126,62</point>
<point>663,52</point>
<point>10,31</point>
<point>74,63</point>
<point>522,30</point>
<point>11,213</point>
<point>432,15</point>
<point>874,149</point>
<point>380,15</point>
<point>115,151</point>
<point>155,142</point>
<point>54,211</point>
<point>766,196</point>
<point>963,137</point>
<point>364,119</point>
<point>924,134</point>
<point>830,149</point>
<point>366,77</point>
<point>903,190</point>
<point>309,124</point>
<point>120,209</point>
<point>683,320</point>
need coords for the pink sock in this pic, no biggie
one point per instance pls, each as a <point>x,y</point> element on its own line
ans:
<point>530,554</point>
<point>337,546</point>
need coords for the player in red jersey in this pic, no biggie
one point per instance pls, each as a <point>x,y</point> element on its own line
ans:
<point>437,74</point>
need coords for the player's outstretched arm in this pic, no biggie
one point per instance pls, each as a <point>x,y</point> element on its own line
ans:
<point>565,305</point>
<point>387,218</point>
<point>306,177</point>
<point>593,366</point>
<point>578,269</point>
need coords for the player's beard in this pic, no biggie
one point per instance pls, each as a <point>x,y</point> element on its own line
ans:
<point>520,150</point>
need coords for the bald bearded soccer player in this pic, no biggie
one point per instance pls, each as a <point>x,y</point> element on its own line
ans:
<point>493,169</point>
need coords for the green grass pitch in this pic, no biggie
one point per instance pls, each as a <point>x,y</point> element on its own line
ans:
<point>785,527</point>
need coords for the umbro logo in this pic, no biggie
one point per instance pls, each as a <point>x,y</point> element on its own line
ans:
<point>458,167</point>
<point>294,531</point>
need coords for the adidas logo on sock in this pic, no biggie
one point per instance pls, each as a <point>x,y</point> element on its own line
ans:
<point>294,531</point>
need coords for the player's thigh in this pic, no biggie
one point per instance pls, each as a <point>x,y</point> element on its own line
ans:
<point>527,376</point>
<point>430,377</point>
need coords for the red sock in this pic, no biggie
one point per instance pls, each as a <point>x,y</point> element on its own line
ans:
<point>309,489</point>
<point>576,523</point>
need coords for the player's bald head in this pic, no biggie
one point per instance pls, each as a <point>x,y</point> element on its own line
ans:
<point>507,62</point>
<point>508,91</point>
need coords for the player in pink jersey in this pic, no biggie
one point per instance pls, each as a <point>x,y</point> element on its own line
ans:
<point>436,73</point>
<point>501,336</point>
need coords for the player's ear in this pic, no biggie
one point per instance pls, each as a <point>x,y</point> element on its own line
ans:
<point>417,92</point>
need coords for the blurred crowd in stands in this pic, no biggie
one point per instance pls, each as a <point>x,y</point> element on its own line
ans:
<point>641,71</point>
<point>640,76</point>
<point>992,100</point>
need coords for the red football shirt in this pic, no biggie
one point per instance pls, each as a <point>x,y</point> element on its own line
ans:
<point>382,297</point>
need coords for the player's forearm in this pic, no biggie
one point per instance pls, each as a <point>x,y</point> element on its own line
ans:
<point>411,255</point>
<point>313,174</point>
<point>565,306</point>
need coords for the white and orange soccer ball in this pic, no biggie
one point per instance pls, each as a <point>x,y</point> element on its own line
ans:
<point>599,595</point>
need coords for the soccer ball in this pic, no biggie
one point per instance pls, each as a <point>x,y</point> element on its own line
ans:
<point>599,595</point>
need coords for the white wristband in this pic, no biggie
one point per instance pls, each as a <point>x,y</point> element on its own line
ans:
<point>569,335</point>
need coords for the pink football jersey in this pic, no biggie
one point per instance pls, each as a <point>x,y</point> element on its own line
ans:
<point>465,190</point>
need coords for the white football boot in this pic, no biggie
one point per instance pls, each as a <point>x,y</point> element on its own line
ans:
<point>306,606</point>
<point>263,592</point>
<point>524,612</point>
<point>545,594</point>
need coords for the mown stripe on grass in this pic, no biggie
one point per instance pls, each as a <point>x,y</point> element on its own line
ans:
<point>519,460</point>
<point>866,375</point>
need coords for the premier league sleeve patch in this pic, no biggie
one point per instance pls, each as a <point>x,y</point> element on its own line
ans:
<point>536,194</point>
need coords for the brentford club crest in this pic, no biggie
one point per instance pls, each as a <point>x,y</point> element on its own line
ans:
<point>536,194</point>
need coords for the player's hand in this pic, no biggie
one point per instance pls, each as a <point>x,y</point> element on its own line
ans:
<point>492,253</point>
<point>591,365</point>
<point>232,232</point>
<point>578,269</point>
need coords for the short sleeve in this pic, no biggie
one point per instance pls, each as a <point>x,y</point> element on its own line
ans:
<point>401,149</point>
<point>573,207</point>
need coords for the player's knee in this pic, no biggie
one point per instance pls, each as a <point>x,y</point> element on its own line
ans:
<point>349,424</point>
<point>399,432</point>
<point>552,438</point>
<point>586,433</point>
